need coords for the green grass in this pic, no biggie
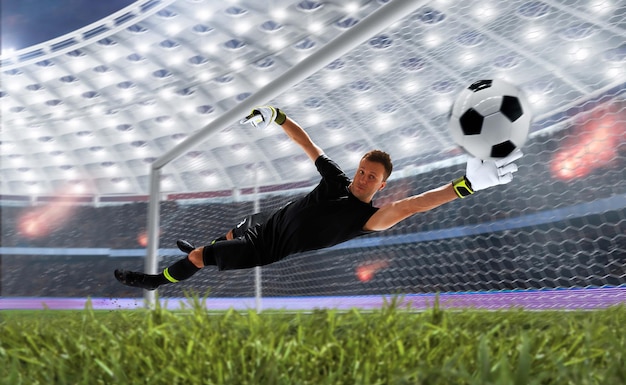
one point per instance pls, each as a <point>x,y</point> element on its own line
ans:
<point>387,346</point>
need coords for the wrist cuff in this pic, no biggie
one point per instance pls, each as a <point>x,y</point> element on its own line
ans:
<point>462,187</point>
<point>280,117</point>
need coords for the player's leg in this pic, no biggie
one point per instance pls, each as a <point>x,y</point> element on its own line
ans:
<point>187,247</point>
<point>238,253</point>
<point>187,267</point>
<point>236,232</point>
<point>179,271</point>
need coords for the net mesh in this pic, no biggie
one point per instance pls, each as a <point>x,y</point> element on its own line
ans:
<point>560,224</point>
<point>547,229</point>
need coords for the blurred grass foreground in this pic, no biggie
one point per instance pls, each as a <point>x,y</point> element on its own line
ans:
<point>391,345</point>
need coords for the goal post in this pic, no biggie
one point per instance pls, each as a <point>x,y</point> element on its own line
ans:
<point>382,18</point>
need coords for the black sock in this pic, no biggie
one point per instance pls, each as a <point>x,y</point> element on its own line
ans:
<point>179,271</point>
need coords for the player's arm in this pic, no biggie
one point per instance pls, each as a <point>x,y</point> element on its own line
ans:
<point>479,175</point>
<point>298,135</point>
<point>392,213</point>
<point>261,117</point>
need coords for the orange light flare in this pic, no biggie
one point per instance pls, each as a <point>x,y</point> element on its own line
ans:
<point>365,272</point>
<point>142,238</point>
<point>593,145</point>
<point>40,221</point>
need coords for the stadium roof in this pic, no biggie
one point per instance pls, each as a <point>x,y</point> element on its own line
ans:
<point>89,111</point>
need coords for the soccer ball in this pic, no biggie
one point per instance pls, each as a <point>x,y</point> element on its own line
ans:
<point>490,119</point>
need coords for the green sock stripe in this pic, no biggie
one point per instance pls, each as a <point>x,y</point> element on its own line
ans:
<point>167,275</point>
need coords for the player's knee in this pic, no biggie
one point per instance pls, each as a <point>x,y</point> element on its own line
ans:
<point>196,257</point>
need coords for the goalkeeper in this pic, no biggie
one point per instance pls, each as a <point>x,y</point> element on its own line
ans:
<point>337,210</point>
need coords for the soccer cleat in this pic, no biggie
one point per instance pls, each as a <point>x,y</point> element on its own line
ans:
<point>132,278</point>
<point>185,246</point>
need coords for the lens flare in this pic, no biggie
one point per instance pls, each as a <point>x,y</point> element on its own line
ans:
<point>366,271</point>
<point>142,238</point>
<point>594,144</point>
<point>40,221</point>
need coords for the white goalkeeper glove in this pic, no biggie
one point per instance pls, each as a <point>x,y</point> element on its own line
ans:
<point>482,174</point>
<point>261,117</point>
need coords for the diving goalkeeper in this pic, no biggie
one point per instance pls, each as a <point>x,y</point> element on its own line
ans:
<point>338,209</point>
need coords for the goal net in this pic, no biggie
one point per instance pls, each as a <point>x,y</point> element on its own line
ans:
<point>560,224</point>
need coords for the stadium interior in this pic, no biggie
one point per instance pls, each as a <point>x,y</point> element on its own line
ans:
<point>85,116</point>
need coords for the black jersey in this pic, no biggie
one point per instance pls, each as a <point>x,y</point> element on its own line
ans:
<point>326,216</point>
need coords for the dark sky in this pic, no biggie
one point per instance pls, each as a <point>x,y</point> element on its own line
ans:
<point>28,22</point>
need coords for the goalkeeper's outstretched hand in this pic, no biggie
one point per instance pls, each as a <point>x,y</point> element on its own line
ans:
<point>483,174</point>
<point>261,117</point>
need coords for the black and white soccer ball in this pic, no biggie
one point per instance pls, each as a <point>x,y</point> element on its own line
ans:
<point>490,119</point>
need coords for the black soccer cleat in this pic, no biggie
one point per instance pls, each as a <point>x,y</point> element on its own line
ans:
<point>185,246</point>
<point>132,278</point>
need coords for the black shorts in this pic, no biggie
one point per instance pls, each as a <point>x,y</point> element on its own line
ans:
<point>248,222</point>
<point>238,253</point>
<point>245,250</point>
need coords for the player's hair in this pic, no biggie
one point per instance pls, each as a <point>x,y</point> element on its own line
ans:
<point>382,158</point>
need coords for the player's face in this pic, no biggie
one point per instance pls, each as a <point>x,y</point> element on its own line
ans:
<point>368,180</point>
